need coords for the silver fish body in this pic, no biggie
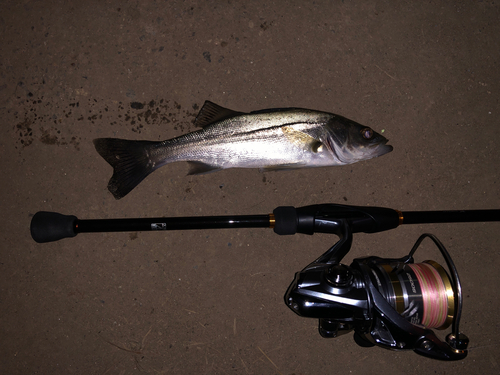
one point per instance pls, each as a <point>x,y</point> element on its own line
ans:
<point>269,140</point>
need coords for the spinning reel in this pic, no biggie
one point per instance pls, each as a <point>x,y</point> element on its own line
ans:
<point>391,303</point>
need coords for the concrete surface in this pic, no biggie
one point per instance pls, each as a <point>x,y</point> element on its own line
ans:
<point>211,302</point>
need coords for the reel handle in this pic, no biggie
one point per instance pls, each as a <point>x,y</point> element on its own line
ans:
<point>52,226</point>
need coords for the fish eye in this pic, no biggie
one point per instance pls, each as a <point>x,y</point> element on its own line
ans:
<point>367,133</point>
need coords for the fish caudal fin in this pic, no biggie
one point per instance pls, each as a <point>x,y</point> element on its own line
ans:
<point>130,161</point>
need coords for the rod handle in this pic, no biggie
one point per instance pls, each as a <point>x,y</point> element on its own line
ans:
<point>52,226</point>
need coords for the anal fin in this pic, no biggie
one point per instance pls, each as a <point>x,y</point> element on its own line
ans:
<point>198,167</point>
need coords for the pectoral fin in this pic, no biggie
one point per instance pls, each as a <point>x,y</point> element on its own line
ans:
<point>301,139</point>
<point>282,167</point>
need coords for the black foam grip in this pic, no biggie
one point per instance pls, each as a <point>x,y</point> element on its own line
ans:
<point>51,226</point>
<point>285,220</point>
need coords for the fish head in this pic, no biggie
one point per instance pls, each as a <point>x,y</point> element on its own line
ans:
<point>351,142</point>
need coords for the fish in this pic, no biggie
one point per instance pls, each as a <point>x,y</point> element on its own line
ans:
<point>269,139</point>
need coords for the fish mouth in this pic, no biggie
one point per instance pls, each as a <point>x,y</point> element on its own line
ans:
<point>377,150</point>
<point>355,153</point>
<point>383,149</point>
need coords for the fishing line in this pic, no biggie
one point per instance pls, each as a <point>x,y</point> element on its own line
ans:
<point>420,292</point>
<point>435,296</point>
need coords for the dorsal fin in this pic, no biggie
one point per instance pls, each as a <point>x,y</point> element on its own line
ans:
<point>273,110</point>
<point>211,112</point>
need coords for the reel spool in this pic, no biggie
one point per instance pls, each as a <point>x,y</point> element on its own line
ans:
<point>422,293</point>
<point>391,303</point>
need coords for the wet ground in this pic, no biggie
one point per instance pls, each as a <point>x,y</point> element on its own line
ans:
<point>211,302</point>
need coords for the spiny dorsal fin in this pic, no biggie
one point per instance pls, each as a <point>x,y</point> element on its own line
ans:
<point>211,112</point>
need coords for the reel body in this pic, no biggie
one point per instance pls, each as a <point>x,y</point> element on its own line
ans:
<point>391,303</point>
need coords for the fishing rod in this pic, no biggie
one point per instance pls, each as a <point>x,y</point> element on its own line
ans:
<point>285,220</point>
<point>393,303</point>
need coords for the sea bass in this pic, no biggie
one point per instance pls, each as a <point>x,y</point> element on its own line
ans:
<point>271,139</point>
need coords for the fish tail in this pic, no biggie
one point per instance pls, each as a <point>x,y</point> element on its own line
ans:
<point>130,161</point>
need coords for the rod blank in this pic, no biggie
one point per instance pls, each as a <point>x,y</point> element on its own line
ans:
<point>173,223</point>
<point>458,216</point>
<point>52,226</point>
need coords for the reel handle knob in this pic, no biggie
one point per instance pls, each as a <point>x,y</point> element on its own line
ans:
<point>459,343</point>
<point>52,226</point>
